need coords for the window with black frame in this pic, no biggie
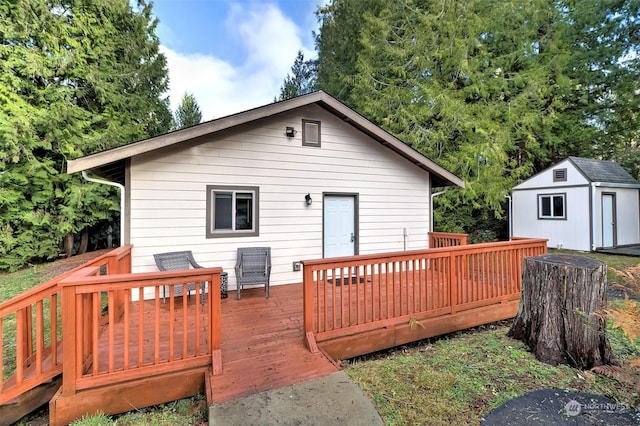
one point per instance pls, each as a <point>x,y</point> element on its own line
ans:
<point>552,206</point>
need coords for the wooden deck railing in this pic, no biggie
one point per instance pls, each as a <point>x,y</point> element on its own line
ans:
<point>347,296</point>
<point>31,333</point>
<point>148,337</point>
<point>446,239</point>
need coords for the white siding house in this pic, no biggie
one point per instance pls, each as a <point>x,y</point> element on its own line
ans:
<point>244,180</point>
<point>579,204</point>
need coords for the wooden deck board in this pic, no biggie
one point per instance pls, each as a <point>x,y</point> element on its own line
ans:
<point>262,339</point>
<point>262,344</point>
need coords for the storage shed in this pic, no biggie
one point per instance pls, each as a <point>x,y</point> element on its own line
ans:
<point>579,204</point>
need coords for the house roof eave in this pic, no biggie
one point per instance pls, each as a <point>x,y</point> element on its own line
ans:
<point>95,162</point>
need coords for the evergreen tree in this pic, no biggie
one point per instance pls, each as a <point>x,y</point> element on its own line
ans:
<point>76,77</point>
<point>301,80</point>
<point>339,42</point>
<point>188,112</point>
<point>492,91</point>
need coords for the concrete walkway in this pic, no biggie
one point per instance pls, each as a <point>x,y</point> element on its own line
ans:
<point>330,400</point>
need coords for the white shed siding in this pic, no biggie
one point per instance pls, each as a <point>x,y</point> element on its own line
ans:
<point>545,178</point>
<point>572,233</point>
<point>168,193</point>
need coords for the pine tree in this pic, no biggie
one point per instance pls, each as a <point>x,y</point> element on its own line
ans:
<point>188,112</point>
<point>338,44</point>
<point>76,77</point>
<point>301,80</point>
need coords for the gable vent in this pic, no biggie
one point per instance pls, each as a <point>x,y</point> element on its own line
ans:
<point>560,175</point>
<point>311,133</point>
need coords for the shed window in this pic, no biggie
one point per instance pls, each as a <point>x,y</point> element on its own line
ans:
<point>232,211</point>
<point>551,206</point>
<point>560,175</point>
<point>311,133</point>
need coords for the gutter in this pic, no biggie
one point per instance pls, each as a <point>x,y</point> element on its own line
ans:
<point>617,185</point>
<point>431,207</point>
<point>122,200</point>
<point>508,197</point>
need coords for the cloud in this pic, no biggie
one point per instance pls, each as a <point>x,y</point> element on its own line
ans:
<point>269,43</point>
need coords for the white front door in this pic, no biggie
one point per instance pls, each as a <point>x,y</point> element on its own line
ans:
<point>608,220</point>
<point>339,225</point>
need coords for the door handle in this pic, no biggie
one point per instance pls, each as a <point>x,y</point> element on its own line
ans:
<point>353,237</point>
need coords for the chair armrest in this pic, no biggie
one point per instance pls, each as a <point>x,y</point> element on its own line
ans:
<point>196,265</point>
<point>238,267</point>
<point>193,262</point>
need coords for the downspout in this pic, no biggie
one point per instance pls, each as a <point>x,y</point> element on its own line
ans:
<point>431,207</point>
<point>508,197</point>
<point>594,229</point>
<point>122,200</point>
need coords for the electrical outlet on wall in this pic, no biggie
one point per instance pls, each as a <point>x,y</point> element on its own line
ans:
<point>297,266</point>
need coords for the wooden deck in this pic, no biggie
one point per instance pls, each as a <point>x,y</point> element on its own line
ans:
<point>361,304</point>
<point>262,344</point>
<point>116,353</point>
<point>262,341</point>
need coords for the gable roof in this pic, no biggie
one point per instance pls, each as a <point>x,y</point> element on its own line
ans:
<point>602,171</point>
<point>111,163</point>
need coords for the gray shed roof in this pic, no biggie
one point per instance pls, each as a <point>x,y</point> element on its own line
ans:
<point>602,171</point>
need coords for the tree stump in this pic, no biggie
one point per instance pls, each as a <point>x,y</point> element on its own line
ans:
<point>558,317</point>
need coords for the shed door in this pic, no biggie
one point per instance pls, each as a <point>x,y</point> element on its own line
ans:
<point>608,220</point>
<point>339,225</point>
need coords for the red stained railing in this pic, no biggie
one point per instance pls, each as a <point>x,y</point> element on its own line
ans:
<point>30,328</point>
<point>446,239</point>
<point>159,335</point>
<point>346,296</point>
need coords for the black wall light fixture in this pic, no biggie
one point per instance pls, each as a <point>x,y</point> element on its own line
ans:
<point>290,132</point>
<point>307,199</point>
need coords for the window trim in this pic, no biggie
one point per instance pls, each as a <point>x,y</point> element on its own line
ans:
<point>211,232</point>
<point>304,133</point>
<point>562,195</point>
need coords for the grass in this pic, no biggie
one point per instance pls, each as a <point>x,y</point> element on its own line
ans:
<point>13,284</point>
<point>458,378</point>
<point>454,379</point>
<point>613,262</point>
<point>188,411</point>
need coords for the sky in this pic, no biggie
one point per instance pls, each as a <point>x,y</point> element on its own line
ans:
<point>232,55</point>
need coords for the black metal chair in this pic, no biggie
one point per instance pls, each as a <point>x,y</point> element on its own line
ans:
<point>175,261</point>
<point>253,267</point>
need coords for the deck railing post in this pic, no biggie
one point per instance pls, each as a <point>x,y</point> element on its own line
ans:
<point>112,269</point>
<point>121,265</point>
<point>307,308</point>
<point>515,269</point>
<point>453,282</point>
<point>69,356</point>
<point>215,326</point>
